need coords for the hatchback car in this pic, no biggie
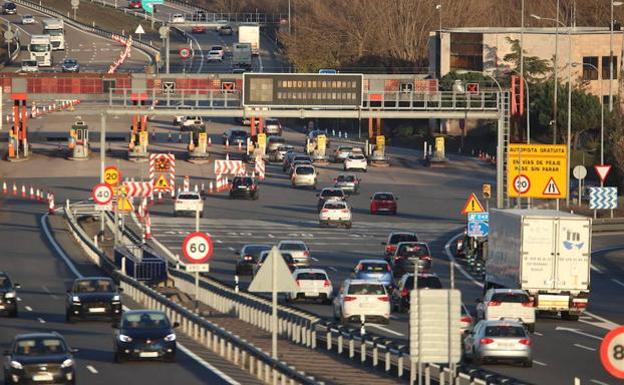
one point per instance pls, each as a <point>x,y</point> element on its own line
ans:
<point>288,258</point>
<point>329,193</point>
<point>292,158</point>
<point>341,153</point>
<point>30,66</point>
<point>377,270</point>
<point>408,256</point>
<point>38,358</point>
<point>272,126</point>
<point>178,18</point>
<point>355,162</point>
<point>383,202</point>
<point>335,212</point>
<point>70,65</point>
<point>234,136</point>
<point>507,303</point>
<point>248,256</point>
<point>314,284</point>
<point>28,19</point>
<point>244,187</point>
<point>8,295</point>
<point>294,164</point>
<point>401,293</point>
<point>498,340</point>
<point>279,154</point>
<point>92,297</point>
<point>213,55</point>
<point>226,30</point>
<point>9,8</point>
<point>304,176</point>
<point>348,183</point>
<point>359,299</point>
<point>298,249</point>
<point>145,334</point>
<point>394,238</point>
<point>274,142</point>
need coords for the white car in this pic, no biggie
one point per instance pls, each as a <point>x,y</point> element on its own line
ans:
<point>188,203</point>
<point>218,48</point>
<point>359,298</point>
<point>509,304</point>
<point>313,284</point>
<point>299,251</point>
<point>28,19</point>
<point>335,211</point>
<point>178,18</point>
<point>30,66</point>
<point>304,175</point>
<point>355,162</point>
<point>214,56</point>
<point>187,122</point>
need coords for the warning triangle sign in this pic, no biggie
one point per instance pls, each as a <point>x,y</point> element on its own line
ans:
<point>472,205</point>
<point>263,281</point>
<point>552,188</point>
<point>603,171</point>
<point>124,204</point>
<point>161,183</point>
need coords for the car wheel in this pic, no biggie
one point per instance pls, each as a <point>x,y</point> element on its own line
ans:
<point>69,318</point>
<point>348,225</point>
<point>528,363</point>
<point>118,358</point>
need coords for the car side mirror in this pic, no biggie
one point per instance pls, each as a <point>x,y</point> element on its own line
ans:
<point>176,324</point>
<point>17,286</point>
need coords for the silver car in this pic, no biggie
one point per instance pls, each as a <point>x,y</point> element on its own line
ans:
<point>279,154</point>
<point>304,176</point>
<point>377,270</point>
<point>341,153</point>
<point>298,250</point>
<point>498,340</point>
<point>272,126</point>
<point>349,183</point>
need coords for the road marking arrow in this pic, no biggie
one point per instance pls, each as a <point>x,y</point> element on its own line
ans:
<point>577,331</point>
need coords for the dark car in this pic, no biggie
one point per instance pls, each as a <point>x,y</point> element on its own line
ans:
<point>235,136</point>
<point>288,258</point>
<point>408,255</point>
<point>400,296</point>
<point>226,30</point>
<point>39,358</point>
<point>8,296</point>
<point>383,202</point>
<point>248,256</point>
<point>145,334</point>
<point>70,65</point>
<point>329,193</point>
<point>393,240</point>
<point>244,187</point>
<point>93,297</point>
<point>9,8</point>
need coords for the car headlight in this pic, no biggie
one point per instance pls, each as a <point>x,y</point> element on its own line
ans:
<point>16,365</point>
<point>75,298</point>
<point>10,294</point>
<point>116,298</point>
<point>67,363</point>
<point>170,337</point>
<point>124,338</point>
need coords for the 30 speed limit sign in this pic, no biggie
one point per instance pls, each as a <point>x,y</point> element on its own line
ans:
<point>521,184</point>
<point>612,352</point>
<point>102,193</point>
<point>197,247</point>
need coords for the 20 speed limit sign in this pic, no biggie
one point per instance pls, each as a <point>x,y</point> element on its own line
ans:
<point>612,352</point>
<point>102,193</point>
<point>197,247</point>
<point>112,175</point>
<point>521,184</point>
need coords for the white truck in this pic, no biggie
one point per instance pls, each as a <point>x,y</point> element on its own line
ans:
<point>40,50</point>
<point>56,29</point>
<point>241,55</point>
<point>250,34</point>
<point>546,253</point>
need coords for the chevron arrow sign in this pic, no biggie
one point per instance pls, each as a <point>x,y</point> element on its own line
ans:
<point>603,198</point>
<point>138,189</point>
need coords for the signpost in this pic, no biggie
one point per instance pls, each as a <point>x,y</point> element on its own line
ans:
<point>197,248</point>
<point>74,5</point>
<point>537,171</point>
<point>139,31</point>
<point>478,224</point>
<point>603,171</point>
<point>612,352</point>
<point>486,192</point>
<point>579,172</point>
<point>472,205</point>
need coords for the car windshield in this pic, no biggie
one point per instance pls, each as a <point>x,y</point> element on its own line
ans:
<point>243,181</point>
<point>505,331</point>
<point>255,250</point>
<point>332,193</point>
<point>384,197</point>
<point>188,197</point>
<point>373,267</point>
<point>413,251</point>
<point>304,171</point>
<point>396,238</point>
<point>510,297</point>
<point>311,276</point>
<point>5,282</point>
<point>70,62</point>
<point>345,149</point>
<point>94,286</point>
<point>429,282</point>
<point>287,258</point>
<point>346,178</point>
<point>39,47</point>
<point>334,206</point>
<point>293,246</point>
<point>39,346</point>
<point>145,320</point>
<point>366,289</point>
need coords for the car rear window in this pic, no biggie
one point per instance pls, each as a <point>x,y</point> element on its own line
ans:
<point>356,157</point>
<point>277,139</point>
<point>413,251</point>
<point>293,246</point>
<point>345,149</point>
<point>312,276</point>
<point>188,196</point>
<point>366,289</point>
<point>301,158</point>
<point>243,181</point>
<point>396,238</point>
<point>304,170</point>
<point>510,297</point>
<point>384,197</point>
<point>332,193</point>
<point>373,267</point>
<point>255,250</point>
<point>334,206</point>
<point>505,331</point>
<point>349,178</point>
<point>424,283</point>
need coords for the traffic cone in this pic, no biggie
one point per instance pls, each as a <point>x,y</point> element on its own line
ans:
<point>14,189</point>
<point>209,142</point>
<point>210,188</point>
<point>38,195</point>
<point>227,156</point>
<point>32,194</point>
<point>23,191</point>
<point>227,143</point>
<point>51,207</point>
<point>4,188</point>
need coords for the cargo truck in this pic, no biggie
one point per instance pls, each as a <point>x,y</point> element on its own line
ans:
<point>546,253</point>
<point>241,55</point>
<point>40,50</point>
<point>250,34</point>
<point>56,30</point>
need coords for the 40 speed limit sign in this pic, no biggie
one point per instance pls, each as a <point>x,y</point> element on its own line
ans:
<point>197,247</point>
<point>102,194</point>
<point>612,352</point>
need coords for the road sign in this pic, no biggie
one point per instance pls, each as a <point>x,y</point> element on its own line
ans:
<point>434,325</point>
<point>112,176</point>
<point>612,352</point>
<point>302,90</point>
<point>228,86</point>
<point>124,204</point>
<point>148,5</point>
<point>478,224</point>
<point>603,171</point>
<point>472,88</point>
<point>197,247</point>
<point>579,172</point>
<point>486,190</point>
<point>138,189</point>
<point>139,30</point>
<point>263,280</point>
<point>472,205</point>
<point>161,184</point>
<point>75,3</point>
<point>603,198</point>
<point>169,87</point>
<point>543,165</point>
<point>102,193</point>
<point>380,142</point>
<point>184,53</point>
<point>197,268</point>
<point>164,32</point>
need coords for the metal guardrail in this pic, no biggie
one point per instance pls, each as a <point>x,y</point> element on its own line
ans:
<point>608,225</point>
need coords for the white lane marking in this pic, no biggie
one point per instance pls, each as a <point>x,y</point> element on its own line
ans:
<point>92,369</point>
<point>28,308</point>
<point>231,248</point>
<point>617,281</point>
<point>57,248</point>
<point>271,236</point>
<point>49,292</point>
<point>610,324</point>
<point>539,363</point>
<point>205,364</point>
<point>447,249</point>
<point>314,259</point>
<point>538,334</point>
<point>19,299</point>
<point>218,241</point>
<point>332,269</point>
<point>386,330</point>
<point>596,269</point>
<point>598,382</point>
<point>41,320</point>
<point>577,331</point>
<point>585,347</point>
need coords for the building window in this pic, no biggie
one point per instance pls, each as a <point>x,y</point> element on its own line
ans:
<point>466,51</point>
<point>605,67</point>
<point>605,100</point>
<point>589,72</point>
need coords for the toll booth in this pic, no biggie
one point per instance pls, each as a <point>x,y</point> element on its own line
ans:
<point>317,149</point>
<point>18,146</point>
<point>139,137</point>
<point>79,141</point>
<point>376,152</point>
<point>198,144</point>
<point>439,155</point>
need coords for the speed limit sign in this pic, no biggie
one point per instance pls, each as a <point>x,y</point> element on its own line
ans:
<point>112,175</point>
<point>612,352</point>
<point>197,247</point>
<point>102,193</point>
<point>184,53</point>
<point>521,184</point>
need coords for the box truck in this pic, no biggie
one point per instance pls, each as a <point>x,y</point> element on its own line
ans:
<point>40,50</point>
<point>241,55</point>
<point>546,253</point>
<point>56,30</point>
<point>250,34</point>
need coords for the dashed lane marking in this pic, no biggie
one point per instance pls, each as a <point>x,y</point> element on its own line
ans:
<point>585,347</point>
<point>92,369</point>
<point>41,320</point>
<point>617,282</point>
<point>598,382</point>
<point>539,363</point>
<point>596,269</point>
<point>28,308</point>
<point>386,330</point>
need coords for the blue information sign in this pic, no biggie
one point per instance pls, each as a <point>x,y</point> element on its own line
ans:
<point>478,224</point>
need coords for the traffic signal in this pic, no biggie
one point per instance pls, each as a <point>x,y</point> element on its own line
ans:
<point>486,190</point>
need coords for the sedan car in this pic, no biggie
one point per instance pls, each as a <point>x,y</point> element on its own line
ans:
<point>383,202</point>
<point>213,55</point>
<point>70,65</point>
<point>408,256</point>
<point>8,295</point>
<point>393,240</point>
<point>248,256</point>
<point>28,19</point>
<point>349,183</point>
<point>279,154</point>
<point>314,284</point>
<point>288,258</point>
<point>377,270</point>
<point>198,29</point>
<point>355,162</point>
<point>274,142</point>
<point>244,187</point>
<point>145,334</point>
<point>507,303</point>
<point>298,249</point>
<point>272,126</point>
<point>93,297</point>
<point>498,340</point>
<point>335,212</point>
<point>226,30</point>
<point>341,153</point>
<point>234,136</point>
<point>37,358</point>
<point>304,176</point>
<point>178,18</point>
<point>329,193</point>
<point>401,292</point>
<point>359,299</point>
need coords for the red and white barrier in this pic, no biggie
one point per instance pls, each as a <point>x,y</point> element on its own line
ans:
<point>259,168</point>
<point>51,207</point>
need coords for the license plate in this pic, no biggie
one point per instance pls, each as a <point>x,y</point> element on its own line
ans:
<point>43,377</point>
<point>1,307</point>
<point>311,294</point>
<point>97,310</point>
<point>148,354</point>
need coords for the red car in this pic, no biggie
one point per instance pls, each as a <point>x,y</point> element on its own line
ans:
<point>383,202</point>
<point>198,29</point>
<point>135,4</point>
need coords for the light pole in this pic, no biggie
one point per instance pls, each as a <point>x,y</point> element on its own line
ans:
<point>613,4</point>
<point>439,8</point>
<point>289,25</point>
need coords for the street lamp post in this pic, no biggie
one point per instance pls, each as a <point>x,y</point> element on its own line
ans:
<point>439,8</point>
<point>613,4</point>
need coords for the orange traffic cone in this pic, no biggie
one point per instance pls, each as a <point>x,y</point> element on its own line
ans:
<point>23,191</point>
<point>14,189</point>
<point>4,188</point>
<point>31,194</point>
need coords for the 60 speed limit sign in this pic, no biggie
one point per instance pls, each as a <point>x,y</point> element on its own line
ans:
<point>102,193</point>
<point>197,247</point>
<point>612,352</point>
